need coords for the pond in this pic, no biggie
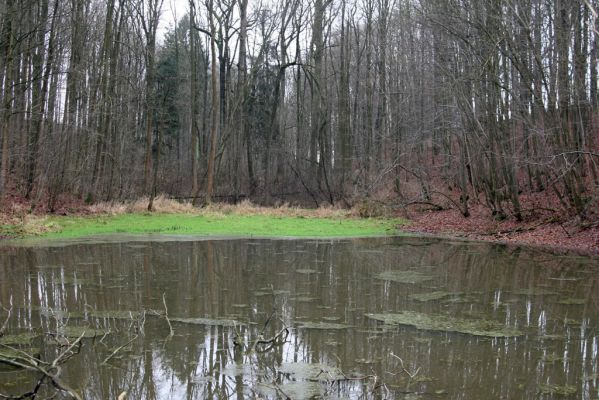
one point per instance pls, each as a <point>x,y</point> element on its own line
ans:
<point>399,318</point>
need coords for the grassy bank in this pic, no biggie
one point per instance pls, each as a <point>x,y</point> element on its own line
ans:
<point>221,225</point>
<point>217,220</point>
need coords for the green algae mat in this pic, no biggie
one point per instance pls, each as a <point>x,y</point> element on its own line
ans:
<point>445,323</point>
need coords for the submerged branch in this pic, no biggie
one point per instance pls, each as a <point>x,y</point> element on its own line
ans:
<point>119,349</point>
<point>277,340</point>
<point>50,371</point>
<point>5,324</point>
<point>168,321</point>
<point>412,375</point>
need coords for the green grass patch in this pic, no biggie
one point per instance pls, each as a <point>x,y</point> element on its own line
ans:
<point>218,225</point>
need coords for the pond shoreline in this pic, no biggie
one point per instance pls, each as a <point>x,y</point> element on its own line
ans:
<point>544,234</point>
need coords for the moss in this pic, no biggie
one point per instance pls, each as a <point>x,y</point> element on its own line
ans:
<point>214,225</point>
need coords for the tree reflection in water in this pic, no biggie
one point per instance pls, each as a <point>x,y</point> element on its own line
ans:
<point>317,284</point>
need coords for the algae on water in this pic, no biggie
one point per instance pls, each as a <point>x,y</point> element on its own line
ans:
<point>13,354</point>
<point>207,321</point>
<point>304,299</point>
<point>552,357</point>
<point>18,339</point>
<point>56,313</point>
<point>572,302</point>
<point>311,372</point>
<point>306,271</point>
<point>323,325</point>
<point>404,276</point>
<point>535,292</point>
<point>294,390</point>
<point>445,323</point>
<point>115,314</point>
<point>74,332</point>
<point>432,296</point>
<point>562,390</point>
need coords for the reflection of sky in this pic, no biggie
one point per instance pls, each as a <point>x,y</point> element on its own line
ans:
<point>167,384</point>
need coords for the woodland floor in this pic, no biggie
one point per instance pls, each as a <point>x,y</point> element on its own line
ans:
<point>543,231</point>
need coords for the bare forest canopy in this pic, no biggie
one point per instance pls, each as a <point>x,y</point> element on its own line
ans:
<point>315,101</point>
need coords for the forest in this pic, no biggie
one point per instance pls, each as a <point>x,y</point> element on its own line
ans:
<point>457,102</point>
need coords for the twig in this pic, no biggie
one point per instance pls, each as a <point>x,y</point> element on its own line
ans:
<point>522,228</point>
<point>172,333</point>
<point>269,344</point>
<point>5,324</point>
<point>118,349</point>
<point>277,340</point>
<point>32,364</point>
<point>458,206</point>
<point>28,395</point>
<point>411,375</point>
<point>565,230</point>
<point>24,356</point>
<point>63,356</point>
<point>436,207</point>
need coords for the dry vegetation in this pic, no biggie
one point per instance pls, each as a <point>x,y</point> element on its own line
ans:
<point>20,219</point>
<point>163,204</point>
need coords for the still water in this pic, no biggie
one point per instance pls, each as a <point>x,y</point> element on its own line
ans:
<point>399,318</point>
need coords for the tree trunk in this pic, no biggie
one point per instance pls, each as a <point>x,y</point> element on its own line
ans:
<point>316,85</point>
<point>343,109</point>
<point>38,97</point>
<point>215,106</point>
<point>193,105</point>
<point>8,37</point>
<point>242,91</point>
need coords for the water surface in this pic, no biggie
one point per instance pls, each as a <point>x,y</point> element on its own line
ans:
<point>404,318</point>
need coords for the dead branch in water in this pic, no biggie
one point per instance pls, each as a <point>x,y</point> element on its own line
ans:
<point>168,321</point>
<point>412,375</point>
<point>119,349</point>
<point>5,324</point>
<point>164,315</point>
<point>49,371</point>
<point>277,340</point>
